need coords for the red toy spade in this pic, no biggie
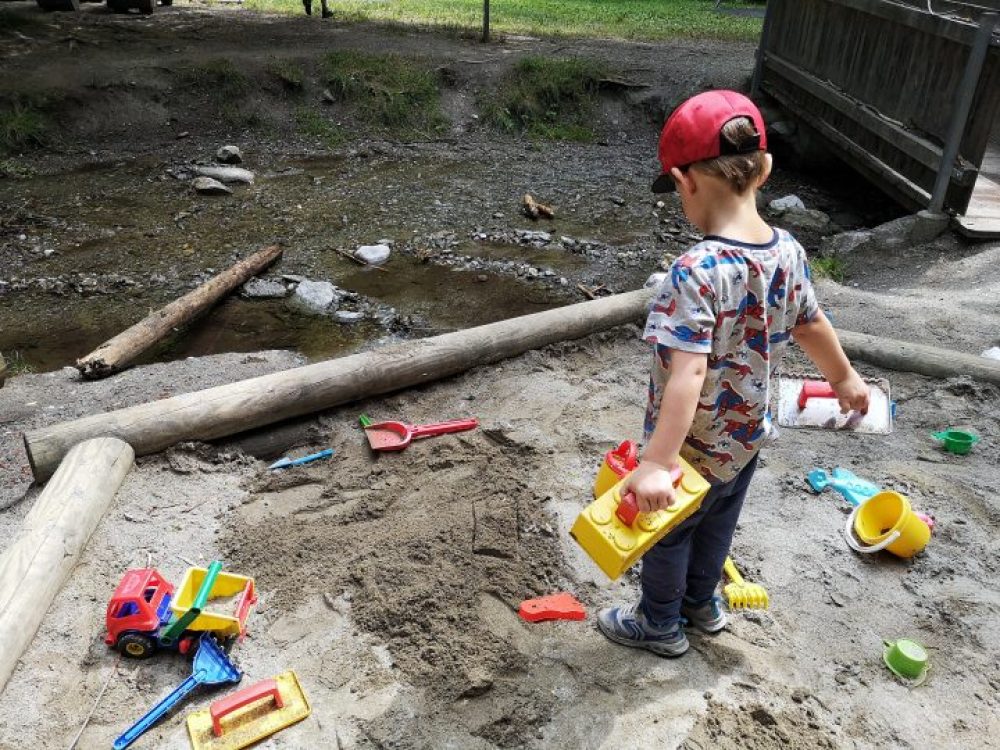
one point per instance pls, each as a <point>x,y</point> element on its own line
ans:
<point>394,436</point>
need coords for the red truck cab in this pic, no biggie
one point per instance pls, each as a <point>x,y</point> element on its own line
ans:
<point>138,608</point>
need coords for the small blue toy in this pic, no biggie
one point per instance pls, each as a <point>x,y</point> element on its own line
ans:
<point>284,463</point>
<point>211,667</point>
<point>852,487</point>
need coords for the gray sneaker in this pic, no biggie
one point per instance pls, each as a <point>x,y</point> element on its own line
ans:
<point>709,617</point>
<point>630,627</point>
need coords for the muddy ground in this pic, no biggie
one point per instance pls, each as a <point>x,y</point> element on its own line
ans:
<point>390,584</point>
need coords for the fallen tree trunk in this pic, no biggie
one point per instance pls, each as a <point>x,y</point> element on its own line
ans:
<point>245,405</point>
<point>48,545</point>
<point>113,355</point>
<point>932,361</point>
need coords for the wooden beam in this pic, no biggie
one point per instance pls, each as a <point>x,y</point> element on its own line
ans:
<point>931,361</point>
<point>925,152</point>
<point>119,352</point>
<point>880,173</point>
<point>245,405</point>
<point>915,18</point>
<point>52,536</point>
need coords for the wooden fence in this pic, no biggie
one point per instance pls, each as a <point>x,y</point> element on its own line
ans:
<point>881,81</point>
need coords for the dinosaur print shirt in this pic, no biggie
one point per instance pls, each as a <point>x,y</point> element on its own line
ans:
<point>737,303</point>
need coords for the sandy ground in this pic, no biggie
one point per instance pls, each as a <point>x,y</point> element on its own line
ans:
<point>390,584</point>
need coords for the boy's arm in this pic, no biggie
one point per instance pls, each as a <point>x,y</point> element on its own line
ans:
<point>819,341</point>
<point>651,482</point>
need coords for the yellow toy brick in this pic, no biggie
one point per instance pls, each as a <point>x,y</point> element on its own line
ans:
<point>616,545</point>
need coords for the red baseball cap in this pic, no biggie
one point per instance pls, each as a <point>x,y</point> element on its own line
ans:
<point>694,132</point>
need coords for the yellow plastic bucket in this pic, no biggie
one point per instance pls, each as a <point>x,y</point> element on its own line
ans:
<point>886,521</point>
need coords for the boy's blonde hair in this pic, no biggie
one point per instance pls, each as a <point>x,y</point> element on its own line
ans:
<point>741,171</point>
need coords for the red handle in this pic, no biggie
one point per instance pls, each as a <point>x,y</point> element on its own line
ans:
<point>624,458</point>
<point>443,428</point>
<point>815,389</point>
<point>628,508</point>
<point>241,698</point>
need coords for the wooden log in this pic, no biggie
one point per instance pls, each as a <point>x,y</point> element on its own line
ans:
<point>932,361</point>
<point>48,545</point>
<point>245,405</point>
<point>113,355</point>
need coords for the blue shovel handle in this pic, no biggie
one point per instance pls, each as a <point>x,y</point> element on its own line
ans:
<point>157,712</point>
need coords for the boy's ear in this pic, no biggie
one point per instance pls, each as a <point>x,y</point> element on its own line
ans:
<point>768,163</point>
<point>683,180</point>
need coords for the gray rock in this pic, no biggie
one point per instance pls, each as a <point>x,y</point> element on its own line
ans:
<point>845,243</point>
<point>349,316</point>
<point>316,296</point>
<point>895,234</point>
<point>226,174</point>
<point>264,289</point>
<point>373,255</point>
<point>928,226</point>
<point>229,155</point>
<point>784,204</point>
<point>655,280</point>
<point>208,186</point>
<point>806,218</point>
<point>992,353</point>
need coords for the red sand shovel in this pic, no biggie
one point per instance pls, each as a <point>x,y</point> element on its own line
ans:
<point>394,436</point>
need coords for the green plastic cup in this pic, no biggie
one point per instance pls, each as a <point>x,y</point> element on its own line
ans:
<point>956,441</point>
<point>906,659</point>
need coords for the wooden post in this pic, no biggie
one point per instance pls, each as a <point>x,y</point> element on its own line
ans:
<point>486,20</point>
<point>113,355</point>
<point>931,361</point>
<point>245,405</point>
<point>48,545</point>
<point>960,114</point>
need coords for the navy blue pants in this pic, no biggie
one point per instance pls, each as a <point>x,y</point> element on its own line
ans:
<point>687,562</point>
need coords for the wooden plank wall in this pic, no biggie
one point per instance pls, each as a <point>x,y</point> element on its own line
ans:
<point>880,79</point>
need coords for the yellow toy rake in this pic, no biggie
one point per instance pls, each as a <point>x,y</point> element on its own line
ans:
<point>743,595</point>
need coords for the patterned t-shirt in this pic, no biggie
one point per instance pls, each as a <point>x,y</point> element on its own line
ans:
<point>737,303</point>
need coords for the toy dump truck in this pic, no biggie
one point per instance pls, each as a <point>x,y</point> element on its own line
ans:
<point>146,613</point>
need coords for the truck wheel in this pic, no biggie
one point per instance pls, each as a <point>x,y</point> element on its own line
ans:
<point>146,7</point>
<point>136,645</point>
<point>117,6</point>
<point>166,2</point>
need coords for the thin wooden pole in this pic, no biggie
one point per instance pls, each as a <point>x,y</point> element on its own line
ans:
<point>117,353</point>
<point>486,20</point>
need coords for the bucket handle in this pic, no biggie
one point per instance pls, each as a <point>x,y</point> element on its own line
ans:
<point>854,544</point>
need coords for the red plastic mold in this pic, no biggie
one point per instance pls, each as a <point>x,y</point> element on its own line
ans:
<point>561,606</point>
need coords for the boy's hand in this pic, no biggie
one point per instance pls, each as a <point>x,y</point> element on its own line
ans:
<point>652,485</point>
<point>853,393</point>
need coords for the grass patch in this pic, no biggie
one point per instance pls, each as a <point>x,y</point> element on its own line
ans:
<point>15,169</point>
<point>389,91</point>
<point>17,365</point>
<point>21,126</point>
<point>618,19</point>
<point>545,98</point>
<point>312,124</point>
<point>289,74</point>
<point>828,268</point>
<point>218,78</point>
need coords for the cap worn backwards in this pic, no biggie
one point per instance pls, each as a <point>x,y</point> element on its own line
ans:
<point>693,133</point>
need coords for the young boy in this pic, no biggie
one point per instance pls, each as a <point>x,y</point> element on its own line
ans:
<point>718,325</point>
